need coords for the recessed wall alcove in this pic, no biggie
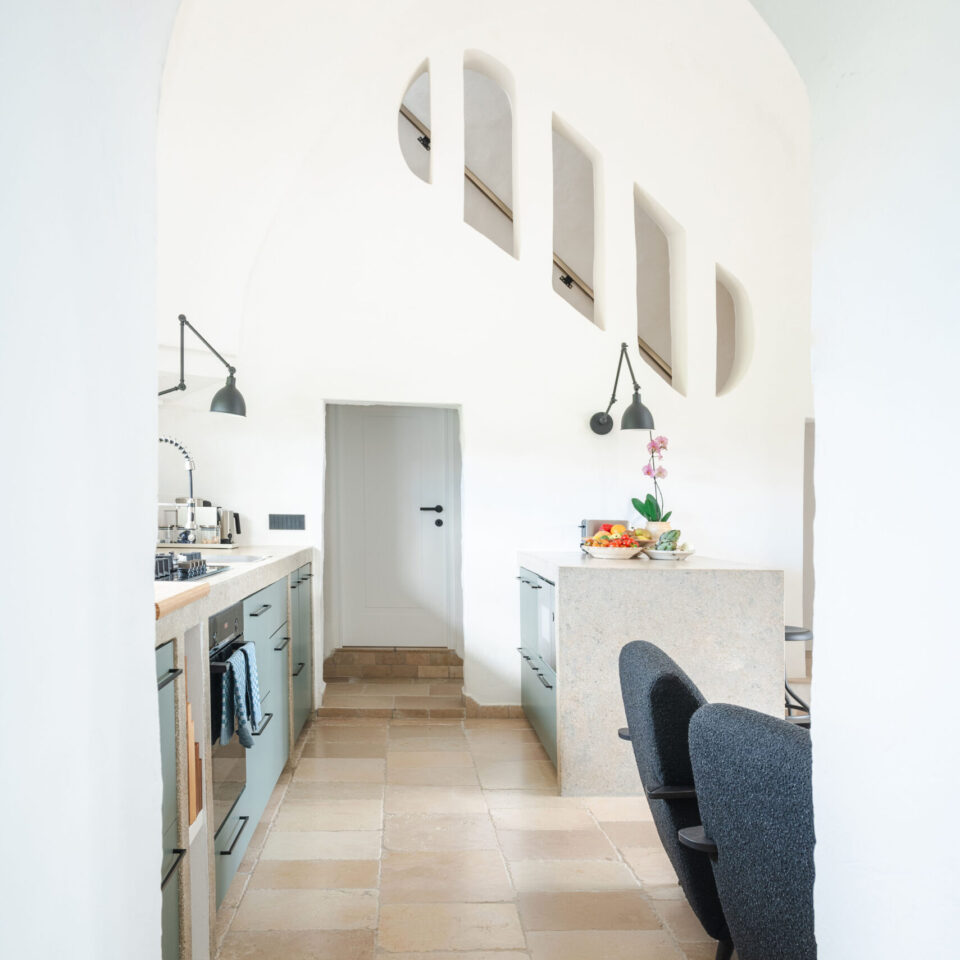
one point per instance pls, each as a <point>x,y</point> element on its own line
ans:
<point>734,332</point>
<point>573,220</point>
<point>413,123</point>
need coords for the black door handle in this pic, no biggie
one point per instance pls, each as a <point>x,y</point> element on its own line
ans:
<point>299,670</point>
<point>267,717</point>
<point>286,640</point>
<point>543,680</point>
<point>173,869</point>
<point>436,509</point>
<point>243,826</point>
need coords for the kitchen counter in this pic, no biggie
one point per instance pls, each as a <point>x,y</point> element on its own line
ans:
<point>720,620</point>
<point>183,604</point>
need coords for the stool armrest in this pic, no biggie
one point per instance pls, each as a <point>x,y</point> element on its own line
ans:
<point>661,792</point>
<point>695,838</point>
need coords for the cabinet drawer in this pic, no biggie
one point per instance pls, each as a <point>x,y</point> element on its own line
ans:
<point>229,846</point>
<point>538,697</point>
<point>264,611</point>
<point>166,697</point>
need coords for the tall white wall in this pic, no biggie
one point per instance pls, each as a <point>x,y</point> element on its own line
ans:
<point>883,79</point>
<point>79,754</point>
<point>295,236</point>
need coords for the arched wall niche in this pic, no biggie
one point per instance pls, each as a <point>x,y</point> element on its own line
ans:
<point>489,183</point>
<point>577,226</point>
<point>735,333</point>
<point>413,123</point>
<point>660,289</point>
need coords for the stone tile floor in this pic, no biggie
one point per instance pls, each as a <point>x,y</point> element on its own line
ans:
<point>394,699</point>
<point>406,839</point>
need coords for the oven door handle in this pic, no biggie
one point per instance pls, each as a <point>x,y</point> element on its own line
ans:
<point>267,717</point>
<point>171,675</point>
<point>243,826</point>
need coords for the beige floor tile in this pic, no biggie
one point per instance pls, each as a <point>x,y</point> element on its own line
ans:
<point>452,689</point>
<point>298,945</point>
<point>664,891</point>
<point>707,950</point>
<point>651,865</point>
<point>330,815</point>
<point>356,701</point>
<point>331,733</point>
<point>409,759</point>
<point>421,730</point>
<point>396,688</point>
<point>459,955</point>
<point>607,910</point>
<point>538,799</point>
<point>496,725</point>
<point>355,749</point>
<point>447,876</point>
<point>449,926</point>
<point>571,875</point>
<point>631,833</point>
<point>556,845</point>
<point>516,774</point>
<point>509,749</point>
<point>681,921</point>
<point>434,777</point>
<point>608,944</point>
<point>543,818</point>
<point>319,790</point>
<point>485,737</point>
<point>427,744</point>
<point>406,799</point>
<point>306,910</point>
<point>322,845</point>
<point>618,808</point>
<point>436,831</point>
<point>428,703</point>
<point>315,875</point>
<point>338,769</point>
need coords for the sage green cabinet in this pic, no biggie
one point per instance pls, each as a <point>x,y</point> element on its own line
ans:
<point>538,678</point>
<point>172,853</point>
<point>301,658</point>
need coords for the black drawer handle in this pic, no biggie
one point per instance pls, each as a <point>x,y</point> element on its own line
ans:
<point>293,586</point>
<point>532,666</point>
<point>172,675</point>
<point>263,726</point>
<point>307,576</point>
<point>260,610</point>
<point>176,863</point>
<point>525,656</point>
<point>299,669</point>
<point>535,586</point>
<point>243,826</point>
<point>543,680</point>
<point>286,640</point>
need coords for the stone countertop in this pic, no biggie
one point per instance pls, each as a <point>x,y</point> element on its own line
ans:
<point>226,588</point>
<point>550,564</point>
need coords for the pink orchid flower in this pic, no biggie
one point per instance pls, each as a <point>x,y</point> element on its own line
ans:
<point>660,473</point>
<point>648,470</point>
<point>661,442</point>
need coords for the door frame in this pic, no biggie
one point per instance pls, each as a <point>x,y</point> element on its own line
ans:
<point>332,580</point>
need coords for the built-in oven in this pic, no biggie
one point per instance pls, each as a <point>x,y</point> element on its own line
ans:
<point>229,760</point>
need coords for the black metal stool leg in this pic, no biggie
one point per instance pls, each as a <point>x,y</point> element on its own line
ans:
<point>724,949</point>
<point>802,703</point>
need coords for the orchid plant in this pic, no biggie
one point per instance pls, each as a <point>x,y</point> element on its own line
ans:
<point>651,509</point>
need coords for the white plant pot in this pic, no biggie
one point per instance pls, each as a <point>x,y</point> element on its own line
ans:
<point>657,527</point>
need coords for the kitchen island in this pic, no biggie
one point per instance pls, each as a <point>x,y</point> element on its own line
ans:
<point>721,621</point>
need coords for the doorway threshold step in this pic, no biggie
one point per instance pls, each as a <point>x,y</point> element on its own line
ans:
<point>394,699</point>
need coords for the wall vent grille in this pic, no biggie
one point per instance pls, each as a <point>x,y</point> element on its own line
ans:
<point>288,521</point>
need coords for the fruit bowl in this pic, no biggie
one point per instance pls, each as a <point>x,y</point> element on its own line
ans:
<point>611,553</point>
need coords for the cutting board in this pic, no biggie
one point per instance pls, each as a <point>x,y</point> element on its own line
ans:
<point>172,596</point>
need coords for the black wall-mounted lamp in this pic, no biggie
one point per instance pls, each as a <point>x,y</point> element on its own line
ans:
<point>635,417</point>
<point>228,398</point>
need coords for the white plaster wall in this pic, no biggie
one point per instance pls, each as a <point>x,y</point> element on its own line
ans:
<point>883,78</point>
<point>79,754</point>
<point>295,236</point>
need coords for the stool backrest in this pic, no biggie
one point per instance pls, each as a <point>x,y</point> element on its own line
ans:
<point>659,699</point>
<point>753,779</point>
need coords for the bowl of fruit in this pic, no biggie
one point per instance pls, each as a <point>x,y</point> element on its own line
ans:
<point>615,542</point>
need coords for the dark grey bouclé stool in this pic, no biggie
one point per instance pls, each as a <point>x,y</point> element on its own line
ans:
<point>659,699</point>
<point>791,700</point>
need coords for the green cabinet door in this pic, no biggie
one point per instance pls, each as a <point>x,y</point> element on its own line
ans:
<point>301,659</point>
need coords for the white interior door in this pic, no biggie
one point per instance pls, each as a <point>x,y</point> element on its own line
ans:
<point>393,572</point>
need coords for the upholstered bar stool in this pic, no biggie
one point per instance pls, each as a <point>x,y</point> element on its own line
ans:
<point>791,700</point>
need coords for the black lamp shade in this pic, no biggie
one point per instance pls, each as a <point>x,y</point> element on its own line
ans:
<point>636,416</point>
<point>228,399</point>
